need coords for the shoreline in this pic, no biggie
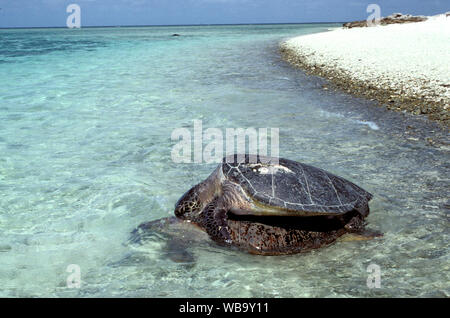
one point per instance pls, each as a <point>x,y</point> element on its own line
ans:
<point>384,64</point>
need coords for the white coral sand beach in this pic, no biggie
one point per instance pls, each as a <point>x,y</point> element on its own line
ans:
<point>412,60</point>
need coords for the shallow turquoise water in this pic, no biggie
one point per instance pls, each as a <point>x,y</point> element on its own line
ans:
<point>86,118</point>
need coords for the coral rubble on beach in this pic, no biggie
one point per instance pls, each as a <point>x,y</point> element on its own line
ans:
<point>402,66</point>
<point>396,18</point>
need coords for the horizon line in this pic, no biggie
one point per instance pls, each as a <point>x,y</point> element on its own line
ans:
<point>167,25</point>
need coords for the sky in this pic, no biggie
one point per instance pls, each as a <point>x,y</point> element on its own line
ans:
<point>52,13</point>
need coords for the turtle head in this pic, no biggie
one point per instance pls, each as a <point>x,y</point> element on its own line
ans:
<point>192,203</point>
<point>189,205</point>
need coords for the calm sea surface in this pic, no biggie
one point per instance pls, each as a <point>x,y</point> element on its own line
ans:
<point>86,118</point>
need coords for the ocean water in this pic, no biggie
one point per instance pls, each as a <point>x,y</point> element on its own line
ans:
<point>86,118</point>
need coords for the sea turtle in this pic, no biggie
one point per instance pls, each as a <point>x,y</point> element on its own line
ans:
<point>270,206</point>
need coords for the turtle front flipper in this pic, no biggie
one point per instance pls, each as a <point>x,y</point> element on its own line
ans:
<point>176,238</point>
<point>213,219</point>
<point>177,250</point>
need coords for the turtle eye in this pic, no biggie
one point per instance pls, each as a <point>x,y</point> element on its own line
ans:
<point>179,211</point>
